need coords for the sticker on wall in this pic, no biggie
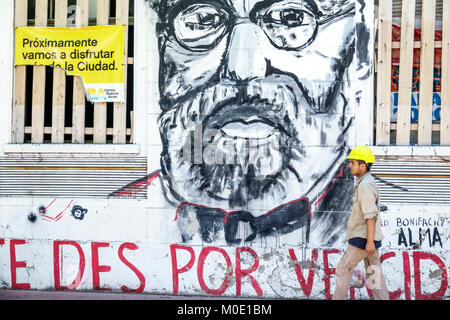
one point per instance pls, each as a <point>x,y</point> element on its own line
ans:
<point>96,54</point>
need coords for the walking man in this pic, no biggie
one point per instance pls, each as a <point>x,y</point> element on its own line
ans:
<point>363,229</point>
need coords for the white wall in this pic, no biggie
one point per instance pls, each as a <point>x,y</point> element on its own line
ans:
<point>129,243</point>
<point>138,244</point>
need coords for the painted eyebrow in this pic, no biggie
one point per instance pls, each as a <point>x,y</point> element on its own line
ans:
<point>173,7</point>
<point>169,6</point>
<point>166,9</point>
<point>310,4</point>
<point>173,3</point>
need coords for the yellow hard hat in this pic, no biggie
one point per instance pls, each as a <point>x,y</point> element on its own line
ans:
<point>363,153</point>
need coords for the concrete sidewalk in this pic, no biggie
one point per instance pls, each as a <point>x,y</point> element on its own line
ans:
<point>100,295</point>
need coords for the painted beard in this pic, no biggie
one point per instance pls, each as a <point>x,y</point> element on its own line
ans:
<point>236,143</point>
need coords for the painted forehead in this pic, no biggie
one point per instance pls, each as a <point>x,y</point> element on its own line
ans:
<point>325,7</point>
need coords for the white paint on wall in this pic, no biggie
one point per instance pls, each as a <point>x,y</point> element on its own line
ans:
<point>134,243</point>
<point>110,227</point>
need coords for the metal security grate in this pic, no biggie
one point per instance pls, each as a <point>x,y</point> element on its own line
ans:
<point>76,177</point>
<point>69,177</point>
<point>425,181</point>
<point>397,9</point>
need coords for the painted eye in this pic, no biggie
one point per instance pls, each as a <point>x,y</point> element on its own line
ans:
<point>289,26</point>
<point>200,26</point>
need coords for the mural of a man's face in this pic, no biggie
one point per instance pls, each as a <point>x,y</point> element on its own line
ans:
<point>259,85</point>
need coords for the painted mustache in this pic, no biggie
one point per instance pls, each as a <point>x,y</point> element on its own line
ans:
<point>255,115</point>
<point>256,106</point>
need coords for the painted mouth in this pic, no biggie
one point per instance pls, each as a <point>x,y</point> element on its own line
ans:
<point>249,121</point>
<point>248,129</point>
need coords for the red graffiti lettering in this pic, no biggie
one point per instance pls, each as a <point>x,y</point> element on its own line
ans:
<point>407,275</point>
<point>57,268</point>
<point>16,264</point>
<point>369,292</point>
<point>200,266</point>
<point>131,246</point>
<point>352,293</point>
<point>96,268</point>
<point>417,256</point>
<point>329,272</point>
<point>305,285</point>
<point>175,270</point>
<point>397,293</point>
<point>246,272</point>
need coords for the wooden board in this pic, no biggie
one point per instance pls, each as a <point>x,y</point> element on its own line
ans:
<point>79,99</point>
<point>445,75</point>
<point>18,111</point>
<point>426,72</point>
<point>383,107</point>
<point>38,98</point>
<point>101,107</point>
<point>405,72</point>
<point>120,110</point>
<point>59,82</point>
<point>78,130</point>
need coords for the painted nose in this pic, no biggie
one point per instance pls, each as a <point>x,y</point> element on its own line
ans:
<point>245,59</point>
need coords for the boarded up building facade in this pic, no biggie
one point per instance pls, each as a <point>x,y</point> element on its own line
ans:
<point>223,171</point>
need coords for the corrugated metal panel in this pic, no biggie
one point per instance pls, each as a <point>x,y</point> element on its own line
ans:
<point>425,181</point>
<point>397,9</point>
<point>69,177</point>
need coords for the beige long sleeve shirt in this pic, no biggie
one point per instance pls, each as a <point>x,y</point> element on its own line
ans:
<point>366,205</point>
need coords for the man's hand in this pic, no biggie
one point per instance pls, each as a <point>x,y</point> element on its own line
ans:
<point>370,247</point>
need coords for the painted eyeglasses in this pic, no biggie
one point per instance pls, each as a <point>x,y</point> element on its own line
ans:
<point>289,25</point>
